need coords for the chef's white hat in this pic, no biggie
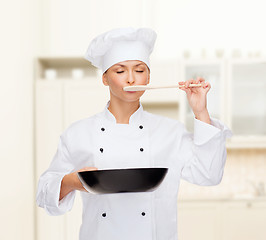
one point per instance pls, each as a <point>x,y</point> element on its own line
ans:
<point>121,44</point>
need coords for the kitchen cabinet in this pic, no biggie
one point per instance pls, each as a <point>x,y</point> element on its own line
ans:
<point>49,125</point>
<point>199,220</point>
<point>237,97</point>
<point>222,219</point>
<point>213,71</point>
<point>247,102</point>
<point>58,103</point>
<point>244,220</point>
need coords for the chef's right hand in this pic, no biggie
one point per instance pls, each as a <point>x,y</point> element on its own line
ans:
<point>78,184</point>
<point>87,169</point>
<point>71,182</point>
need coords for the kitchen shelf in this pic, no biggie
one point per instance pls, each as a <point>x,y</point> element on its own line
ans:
<point>63,68</point>
<point>70,79</point>
<point>237,95</point>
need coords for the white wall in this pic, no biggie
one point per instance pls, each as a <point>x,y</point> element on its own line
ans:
<point>209,24</point>
<point>69,25</point>
<point>18,44</point>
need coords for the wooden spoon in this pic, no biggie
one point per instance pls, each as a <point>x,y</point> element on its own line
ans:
<point>147,87</point>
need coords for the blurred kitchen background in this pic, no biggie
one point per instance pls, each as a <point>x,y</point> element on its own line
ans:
<point>47,85</point>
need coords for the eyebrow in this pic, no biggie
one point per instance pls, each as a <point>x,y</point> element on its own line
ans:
<point>121,65</point>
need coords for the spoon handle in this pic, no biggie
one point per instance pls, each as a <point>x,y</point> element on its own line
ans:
<point>175,86</point>
<point>147,87</point>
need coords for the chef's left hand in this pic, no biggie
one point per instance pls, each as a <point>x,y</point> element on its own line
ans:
<point>197,98</point>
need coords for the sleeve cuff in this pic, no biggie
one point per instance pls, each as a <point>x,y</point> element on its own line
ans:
<point>203,132</point>
<point>52,204</point>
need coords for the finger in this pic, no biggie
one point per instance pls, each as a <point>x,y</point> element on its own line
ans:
<point>181,83</point>
<point>183,88</point>
<point>187,90</point>
<point>188,82</point>
<point>192,81</point>
<point>207,85</point>
<point>198,80</point>
<point>201,80</point>
<point>195,81</point>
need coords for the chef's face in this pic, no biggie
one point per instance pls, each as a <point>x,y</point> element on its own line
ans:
<point>123,74</point>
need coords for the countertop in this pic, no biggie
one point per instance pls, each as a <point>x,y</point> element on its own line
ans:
<point>224,199</point>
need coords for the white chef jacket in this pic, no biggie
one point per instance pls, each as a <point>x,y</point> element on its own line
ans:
<point>147,141</point>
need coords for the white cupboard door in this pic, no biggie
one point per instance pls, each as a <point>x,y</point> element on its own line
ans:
<point>48,119</point>
<point>81,100</point>
<point>248,88</point>
<point>214,73</point>
<point>49,122</point>
<point>200,220</point>
<point>244,220</point>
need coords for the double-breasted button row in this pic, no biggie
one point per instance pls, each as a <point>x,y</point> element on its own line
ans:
<point>104,214</point>
<point>101,149</point>
<point>141,127</point>
<point>103,129</point>
<point>141,149</point>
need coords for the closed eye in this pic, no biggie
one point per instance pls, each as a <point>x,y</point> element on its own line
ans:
<point>139,71</point>
<point>120,72</point>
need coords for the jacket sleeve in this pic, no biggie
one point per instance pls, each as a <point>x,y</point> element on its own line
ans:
<point>204,152</point>
<point>49,184</point>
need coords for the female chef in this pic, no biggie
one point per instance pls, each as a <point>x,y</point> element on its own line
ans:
<point>126,136</point>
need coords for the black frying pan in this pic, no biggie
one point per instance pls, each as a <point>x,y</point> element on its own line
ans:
<point>122,180</point>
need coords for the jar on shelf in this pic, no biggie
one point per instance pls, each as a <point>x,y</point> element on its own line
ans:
<point>50,74</point>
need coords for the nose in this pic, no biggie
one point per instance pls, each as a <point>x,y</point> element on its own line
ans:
<point>131,78</point>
